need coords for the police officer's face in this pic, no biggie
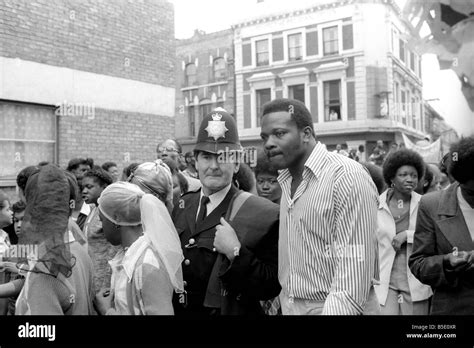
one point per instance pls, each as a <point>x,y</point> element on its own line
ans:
<point>282,140</point>
<point>214,173</point>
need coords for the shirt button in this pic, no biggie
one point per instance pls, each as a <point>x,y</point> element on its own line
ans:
<point>187,262</point>
<point>192,241</point>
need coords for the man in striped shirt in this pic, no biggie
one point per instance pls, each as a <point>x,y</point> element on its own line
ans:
<point>327,245</point>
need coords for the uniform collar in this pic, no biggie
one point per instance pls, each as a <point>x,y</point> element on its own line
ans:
<point>217,197</point>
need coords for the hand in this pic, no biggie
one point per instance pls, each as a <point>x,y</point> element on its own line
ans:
<point>459,258</point>
<point>103,301</point>
<point>470,258</point>
<point>398,240</point>
<point>226,239</point>
<point>8,266</point>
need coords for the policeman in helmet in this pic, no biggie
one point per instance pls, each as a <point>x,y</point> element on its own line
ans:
<point>230,262</point>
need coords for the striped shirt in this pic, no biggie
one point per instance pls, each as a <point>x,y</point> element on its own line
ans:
<point>327,245</point>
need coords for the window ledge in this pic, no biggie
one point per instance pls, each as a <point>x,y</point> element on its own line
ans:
<point>326,67</point>
<point>296,72</point>
<point>218,83</point>
<point>266,76</point>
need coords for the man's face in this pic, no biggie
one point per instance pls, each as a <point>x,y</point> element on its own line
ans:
<point>114,173</point>
<point>214,174</point>
<point>168,149</point>
<point>282,140</point>
<point>80,171</point>
<point>338,147</point>
<point>379,143</point>
<point>17,220</point>
<point>91,190</point>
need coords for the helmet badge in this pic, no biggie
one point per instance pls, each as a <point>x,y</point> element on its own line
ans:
<point>216,128</point>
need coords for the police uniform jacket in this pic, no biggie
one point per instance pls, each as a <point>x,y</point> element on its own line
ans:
<point>252,276</point>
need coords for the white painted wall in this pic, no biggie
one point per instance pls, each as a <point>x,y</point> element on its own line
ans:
<point>33,82</point>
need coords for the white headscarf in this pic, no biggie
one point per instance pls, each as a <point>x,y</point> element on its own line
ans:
<point>125,204</point>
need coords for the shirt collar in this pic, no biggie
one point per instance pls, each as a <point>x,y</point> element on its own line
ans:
<point>129,257</point>
<point>217,197</point>
<point>69,237</point>
<point>462,201</point>
<point>314,163</point>
<point>85,209</point>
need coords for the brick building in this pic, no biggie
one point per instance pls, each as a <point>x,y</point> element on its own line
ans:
<point>204,81</point>
<point>84,79</point>
<point>348,61</point>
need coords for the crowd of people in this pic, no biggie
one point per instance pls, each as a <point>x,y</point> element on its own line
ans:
<point>307,231</point>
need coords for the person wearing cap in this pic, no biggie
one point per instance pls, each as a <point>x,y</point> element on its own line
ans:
<point>230,262</point>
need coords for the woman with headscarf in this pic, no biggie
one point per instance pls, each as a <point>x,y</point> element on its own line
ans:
<point>155,178</point>
<point>399,292</point>
<point>60,274</point>
<point>147,269</point>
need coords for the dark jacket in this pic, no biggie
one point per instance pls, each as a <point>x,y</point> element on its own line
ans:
<point>252,276</point>
<point>440,227</point>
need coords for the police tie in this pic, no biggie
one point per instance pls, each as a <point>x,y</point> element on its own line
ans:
<point>202,210</point>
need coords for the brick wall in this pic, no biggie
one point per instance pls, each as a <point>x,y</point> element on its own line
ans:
<point>129,39</point>
<point>132,39</point>
<point>111,135</point>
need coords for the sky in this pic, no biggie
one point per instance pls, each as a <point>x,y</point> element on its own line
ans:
<point>441,87</point>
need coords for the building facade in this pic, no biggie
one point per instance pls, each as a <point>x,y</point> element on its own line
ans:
<point>347,61</point>
<point>437,127</point>
<point>204,81</point>
<point>84,79</point>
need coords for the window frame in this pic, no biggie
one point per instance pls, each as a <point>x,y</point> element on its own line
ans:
<point>286,34</point>
<point>203,104</point>
<point>186,74</point>
<point>224,69</point>
<point>10,180</point>
<point>290,89</point>
<point>257,53</point>
<point>338,42</point>
<point>327,101</point>
<point>253,42</point>
<point>192,119</point>
<point>257,108</point>
<point>402,46</point>
<point>289,48</point>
